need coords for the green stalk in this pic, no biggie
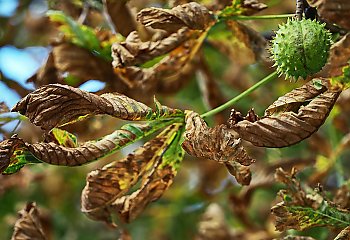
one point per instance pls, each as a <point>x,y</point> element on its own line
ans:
<point>262,17</point>
<point>228,104</point>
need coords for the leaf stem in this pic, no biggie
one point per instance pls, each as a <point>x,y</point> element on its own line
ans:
<point>262,82</point>
<point>262,17</point>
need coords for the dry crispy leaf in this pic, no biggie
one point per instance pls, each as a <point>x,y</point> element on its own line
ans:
<point>216,144</point>
<point>80,64</point>
<point>290,124</point>
<point>133,51</point>
<point>106,187</point>
<point>28,225</point>
<point>338,58</point>
<point>191,15</point>
<point>170,73</point>
<point>7,148</point>
<point>295,238</point>
<point>212,225</point>
<point>65,151</point>
<point>152,189</point>
<point>73,65</point>
<point>293,100</point>
<point>335,11</point>
<point>120,15</point>
<point>301,210</point>
<point>342,197</point>
<point>54,105</point>
<point>46,74</point>
<point>344,234</point>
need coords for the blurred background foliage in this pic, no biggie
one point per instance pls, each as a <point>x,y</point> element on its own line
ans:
<point>203,193</point>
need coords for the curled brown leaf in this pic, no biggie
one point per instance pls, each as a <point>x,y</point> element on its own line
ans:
<point>301,209</point>
<point>339,57</point>
<point>105,190</point>
<point>216,144</point>
<point>170,73</point>
<point>54,105</point>
<point>291,122</point>
<point>69,60</point>
<point>153,187</point>
<point>56,154</point>
<point>28,226</point>
<point>335,11</point>
<point>133,51</point>
<point>121,16</point>
<point>191,15</point>
<point>7,147</point>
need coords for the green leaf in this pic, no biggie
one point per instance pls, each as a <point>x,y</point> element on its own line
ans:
<point>345,77</point>
<point>241,7</point>
<point>325,215</point>
<point>175,153</point>
<point>234,10</point>
<point>65,151</point>
<point>301,210</point>
<point>64,138</point>
<point>107,188</point>
<point>80,35</point>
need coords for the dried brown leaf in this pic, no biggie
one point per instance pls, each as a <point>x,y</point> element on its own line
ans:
<point>7,147</point>
<point>335,11</point>
<point>289,124</point>
<point>342,197</point>
<point>295,238</point>
<point>106,187</point>
<point>338,58</point>
<point>120,15</point>
<point>55,154</point>
<point>28,225</point>
<point>55,104</point>
<point>133,51</point>
<point>301,210</point>
<point>252,6</point>
<point>293,100</point>
<point>191,15</point>
<point>153,187</point>
<point>213,225</point>
<point>69,60</point>
<point>344,234</point>
<point>170,73</point>
<point>216,144</point>
<point>46,74</point>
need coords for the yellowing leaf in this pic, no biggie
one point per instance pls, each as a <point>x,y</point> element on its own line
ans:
<point>106,188</point>
<point>301,210</point>
<point>16,153</point>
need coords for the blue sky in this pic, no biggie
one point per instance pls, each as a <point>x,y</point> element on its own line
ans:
<point>20,64</point>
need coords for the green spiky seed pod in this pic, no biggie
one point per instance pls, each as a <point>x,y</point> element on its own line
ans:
<point>301,48</point>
